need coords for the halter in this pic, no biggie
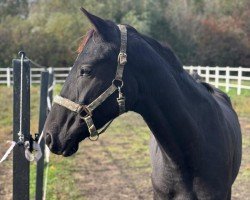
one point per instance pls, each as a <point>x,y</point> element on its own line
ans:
<point>85,111</point>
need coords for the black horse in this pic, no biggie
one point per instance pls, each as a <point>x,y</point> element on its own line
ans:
<point>196,142</point>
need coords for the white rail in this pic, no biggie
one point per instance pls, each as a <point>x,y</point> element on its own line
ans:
<point>61,73</point>
<point>228,77</point>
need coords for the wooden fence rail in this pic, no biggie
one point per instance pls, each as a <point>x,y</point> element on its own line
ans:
<point>228,77</point>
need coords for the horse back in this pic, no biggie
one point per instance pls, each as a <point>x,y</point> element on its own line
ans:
<point>233,124</point>
<point>230,117</point>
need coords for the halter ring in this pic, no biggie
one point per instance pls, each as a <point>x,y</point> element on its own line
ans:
<point>94,138</point>
<point>117,83</point>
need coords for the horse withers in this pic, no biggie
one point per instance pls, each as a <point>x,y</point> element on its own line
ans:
<point>195,146</point>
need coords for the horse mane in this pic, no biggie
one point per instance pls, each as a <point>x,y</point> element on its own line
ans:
<point>165,51</point>
<point>213,90</point>
<point>84,41</point>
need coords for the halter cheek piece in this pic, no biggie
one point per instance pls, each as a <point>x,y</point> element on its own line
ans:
<point>85,111</point>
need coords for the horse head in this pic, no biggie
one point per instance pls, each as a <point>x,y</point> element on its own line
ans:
<point>101,76</point>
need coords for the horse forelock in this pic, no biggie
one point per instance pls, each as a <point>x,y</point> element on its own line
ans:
<point>84,41</point>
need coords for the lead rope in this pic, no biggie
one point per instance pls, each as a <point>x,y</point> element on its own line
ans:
<point>9,150</point>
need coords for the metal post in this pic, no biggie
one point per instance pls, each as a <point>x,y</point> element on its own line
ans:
<point>47,151</point>
<point>42,118</point>
<point>21,166</point>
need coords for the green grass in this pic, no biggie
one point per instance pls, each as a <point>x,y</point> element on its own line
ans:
<point>241,103</point>
<point>61,184</point>
<point>59,177</point>
<point>134,155</point>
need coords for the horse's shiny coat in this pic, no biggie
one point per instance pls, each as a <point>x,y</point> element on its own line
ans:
<point>196,142</point>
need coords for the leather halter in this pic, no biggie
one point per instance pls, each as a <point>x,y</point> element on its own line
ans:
<point>85,111</point>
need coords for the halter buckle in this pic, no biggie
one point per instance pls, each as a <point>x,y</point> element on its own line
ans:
<point>122,58</point>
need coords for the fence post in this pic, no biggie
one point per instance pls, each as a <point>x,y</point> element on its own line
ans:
<point>191,69</point>
<point>8,76</point>
<point>227,79</point>
<point>42,118</point>
<point>207,74</point>
<point>21,165</point>
<point>217,76</point>
<point>239,81</point>
<point>199,70</point>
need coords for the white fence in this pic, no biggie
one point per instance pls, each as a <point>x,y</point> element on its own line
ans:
<point>227,77</point>
<point>6,75</point>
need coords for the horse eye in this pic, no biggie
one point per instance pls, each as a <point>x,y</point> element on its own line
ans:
<point>85,71</point>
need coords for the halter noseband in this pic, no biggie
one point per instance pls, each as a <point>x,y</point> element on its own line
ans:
<point>85,111</point>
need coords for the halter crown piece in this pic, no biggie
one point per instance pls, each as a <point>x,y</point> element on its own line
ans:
<point>85,111</point>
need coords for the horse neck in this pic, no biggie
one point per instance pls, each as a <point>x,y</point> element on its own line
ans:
<point>168,110</point>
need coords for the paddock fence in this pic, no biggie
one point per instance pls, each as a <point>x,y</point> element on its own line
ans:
<point>227,77</point>
<point>6,75</point>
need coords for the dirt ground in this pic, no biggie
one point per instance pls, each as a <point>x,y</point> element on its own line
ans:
<point>102,174</point>
<point>241,187</point>
<point>5,171</point>
<point>117,166</point>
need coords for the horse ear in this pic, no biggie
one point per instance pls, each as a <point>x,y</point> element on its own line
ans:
<point>100,25</point>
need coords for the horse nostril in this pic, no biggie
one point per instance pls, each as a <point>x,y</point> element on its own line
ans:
<point>48,139</point>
